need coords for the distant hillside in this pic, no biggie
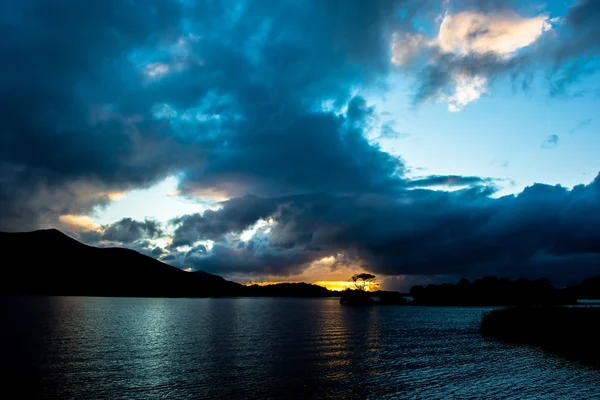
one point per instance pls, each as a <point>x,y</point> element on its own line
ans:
<point>491,291</point>
<point>290,290</point>
<point>50,263</point>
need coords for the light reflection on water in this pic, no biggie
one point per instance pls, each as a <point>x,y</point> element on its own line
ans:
<point>77,347</point>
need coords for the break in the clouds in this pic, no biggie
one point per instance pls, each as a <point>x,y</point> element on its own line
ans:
<point>263,109</point>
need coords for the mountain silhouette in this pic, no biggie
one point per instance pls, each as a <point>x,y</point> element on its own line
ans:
<point>48,262</point>
<point>299,289</point>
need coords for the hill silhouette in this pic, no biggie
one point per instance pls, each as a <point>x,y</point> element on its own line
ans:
<point>48,262</point>
<point>290,290</point>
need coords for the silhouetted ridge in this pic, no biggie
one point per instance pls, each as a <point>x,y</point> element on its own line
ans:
<point>207,276</point>
<point>290,290</point>
<point>48,262</point>
<point>51,263</point>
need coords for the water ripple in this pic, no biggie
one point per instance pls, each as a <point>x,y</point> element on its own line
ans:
<point>90,348</point>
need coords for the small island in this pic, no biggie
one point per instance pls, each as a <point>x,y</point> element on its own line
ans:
<point>364,293</point>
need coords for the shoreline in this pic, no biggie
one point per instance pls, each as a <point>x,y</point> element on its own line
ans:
<point>570,332</point>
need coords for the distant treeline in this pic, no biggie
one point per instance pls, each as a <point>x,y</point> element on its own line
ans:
<point>288,290</point>
<point>493,291</point>
<point>588,289</point>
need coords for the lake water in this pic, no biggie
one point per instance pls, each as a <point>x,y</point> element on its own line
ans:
<point>92,348</point>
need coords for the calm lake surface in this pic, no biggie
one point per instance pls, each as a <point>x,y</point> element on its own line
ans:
<point>92,348</point>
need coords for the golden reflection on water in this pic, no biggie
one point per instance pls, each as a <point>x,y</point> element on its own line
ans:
<point>270,348</point>
<point>348,336</point>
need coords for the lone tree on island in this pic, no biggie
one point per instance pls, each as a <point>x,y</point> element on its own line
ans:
<point>364,282</point>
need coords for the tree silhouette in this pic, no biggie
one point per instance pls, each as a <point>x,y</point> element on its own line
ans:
<point>364,282</point>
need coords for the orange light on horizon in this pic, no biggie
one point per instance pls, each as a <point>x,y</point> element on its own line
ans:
<point>265,283</point>
<point>336,286</point>
<point>78,222</point>
<point>114,196</point>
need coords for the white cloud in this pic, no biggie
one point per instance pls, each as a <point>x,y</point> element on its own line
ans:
<point>476,33</point>
<point>470,32</point>
<point>405,47</point>
<point>156,70</point>
<point>467,90</point>
<point>502,34</point>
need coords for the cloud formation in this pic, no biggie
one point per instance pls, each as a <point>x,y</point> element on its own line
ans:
<point>544,231</point>
<point>502,33</point>
<point>471,46</point>
<point>479,41</point>
<point>262,107</point>
<point>75,124</point>
<point>128,230</point>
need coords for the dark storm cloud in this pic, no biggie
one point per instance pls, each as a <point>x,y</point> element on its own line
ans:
<point>235,216</point>
<point>68,106</point>
<point>258,100</point>
<point>169,257</point>
<point>448,180</point>
<point>128,230</point>
<point>439,77</point>
<point>544,231</point>
<point>287,122</point>
<point>157,251</point>
<point>77,106</point>
<point>256,255</point>
<point>582,20</point>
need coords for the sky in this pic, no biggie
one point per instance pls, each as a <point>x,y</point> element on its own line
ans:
<point>274,141</point>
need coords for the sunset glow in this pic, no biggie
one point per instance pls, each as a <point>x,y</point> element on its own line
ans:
<point>78,222</point>
<point>307,141</point>
<point>336,286</point>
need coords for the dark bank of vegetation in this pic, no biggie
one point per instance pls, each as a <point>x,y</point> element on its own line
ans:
<point>289,290</point>
<point>492,291</point>
<point>572,332</point>
<point>588,289</point>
